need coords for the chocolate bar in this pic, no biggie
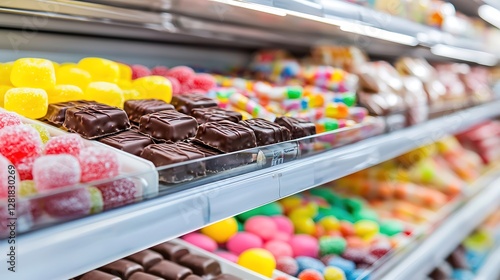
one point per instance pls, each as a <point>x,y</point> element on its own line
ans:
<point>170,271</point>
<point>299,128</point>
<point>56,112</point>
<point>98,275</point>
<point>220,161</point>
<point>146,258</point>
<point>170,251</point>
<point>226,136</point>
<point>267,132</point>
<point>227,277</point>
<point>129,141</point>
<point>168,125</point>
<point>204,115</point>
<point>201,266</point>
<point>187,102</point>
<point>122,268</point>
<point>193,277</point>
<point>95,120</point>
<point>135,109</point>
<point>145,276</point>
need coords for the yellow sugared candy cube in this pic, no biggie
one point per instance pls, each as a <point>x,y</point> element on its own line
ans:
<point>29,102</point>
<point>56,65</point>
<point>5,70</point>
<point>63,93</point>
<point>42,130</point>
<point>125,84</point>
<point>222,230</point>
<point>125,71</point>
<point>156,87</point>
<point>107,93</point>
<point>33,73</point>
<point>101,70</point>
<point>3,90</point>
<point>258,260</point>
<point>72,75</point>
<point>27,188</point>
<point>130,94</point>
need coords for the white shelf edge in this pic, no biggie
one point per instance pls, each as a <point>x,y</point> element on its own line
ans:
<point>491,267</point>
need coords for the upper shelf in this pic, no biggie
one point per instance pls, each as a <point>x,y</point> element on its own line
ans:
<point>111,235</point>
<point>295,24</point>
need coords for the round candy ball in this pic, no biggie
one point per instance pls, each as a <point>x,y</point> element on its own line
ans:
<point>391,228</point>
<point>330,223</point>
<point>334,273</point>
<point>310,263</point>
<point>281,236</point>
<point>200,240</point>
<point>222,230</point>
<point>304,245</point>
<point>279,249</point>
<point>243,241</point>
<point>287,265</point>
<point>310,274</point>
<point>258,260</point>
<point>262,226</point>
<point>332,245</point>
<point>227,255</point>
<point>347,266</point>
<point>283,224</point>
<point>366,229</point>
<point>304,225</point>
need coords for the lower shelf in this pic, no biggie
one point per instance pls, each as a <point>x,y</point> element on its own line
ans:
<point>491,268</point>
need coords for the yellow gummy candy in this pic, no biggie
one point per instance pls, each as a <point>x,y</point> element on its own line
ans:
<point>156,87</point>
<point>56,65</point>
<point>130,94</point>
<point>72,75</point>
<point>42,130</point>
<point>258,260</point>
<point>101,70</point>
<point>5,70</point>
<point>107,93</point>
<point>125,84</point>
<point>27,188</point>
<point>63,93</point>
<point>29,102</point>
<point>125,71</point>
<point>3,90</point>
<point>33,73</point>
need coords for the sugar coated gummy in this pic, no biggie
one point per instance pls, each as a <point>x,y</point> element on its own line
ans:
<point>56,171</point>
<point>42,131</point>
<point>27,188</point>
<point>204,82</point>
<point>154,87</point>
<point>310,274</point>
<point>119,192</point>
<point>129,94</point>
<point>101,70</point>
<point>19,142</point>
<point>125,71</point>
<point>33,73</point>
<point>64,144</point>
<point>287,265</point>
<point>139,71</point>
<point>221,231</point>
<point>106,93</point>
<point>5,70</point>
<point>63,93</point>
<point>25,168</point>
<point>9,119</point>
<point>182,73</point>
<point>96,200</point>
<point>68,204</point>
<point>258,260</point>
<point>72,75</point>
<point>176,86</point>
<point>159,71</point>
<point>98,163</point>
<point>3,91</point>
<point>29,102</point>
<point>5,169</point>
<point>279,248</point>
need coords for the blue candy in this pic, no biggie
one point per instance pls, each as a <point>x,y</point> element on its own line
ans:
<point>346,265</point>
<point>359,274</point>
<point>308,262</point>
<point>462,274</point>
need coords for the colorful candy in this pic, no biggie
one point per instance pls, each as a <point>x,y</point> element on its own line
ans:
<point>101,70</point>
<point>33,73</point>
<point>9,119</point>
<point>70,144</point>
<point>304,245</point>
<point>287,265</point>
<point>72,75</point>
<point>29,102</point>
<point>221,231</point>
<point>310,274</point>
<point>243,241</point>
<point>63,93</point>
<point>19,142</point>
<point>118,192</point>
<point>98,164</point>
<point>56,171</point>
<point>106,93</point>
<point>262,226</point>
<point>69,204</point>
<point>258,260</point>
<point>154,87</point>
<point>200,240</point>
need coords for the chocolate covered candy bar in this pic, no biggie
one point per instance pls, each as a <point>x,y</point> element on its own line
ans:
<point>56,112</point>
<point>144,276</point>
<point>95,120</point>
<point>98,275</point>
<point>267,132</point>
<point>204,115</point>
<point>135,109</point>
<point>200,265</point>
<point>122,268</point>
<point>226,136</point>
<point>227,277</point>
<point>218,163</point>
<point>146,258</point>
<point>129,141</point>
<point>298,127</point>
<point>187,102</point>
<point>168,125</point>
<point>170,271</point>
<point>170,251</point>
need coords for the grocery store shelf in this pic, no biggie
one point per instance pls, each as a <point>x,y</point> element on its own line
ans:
<point>105,237</point>
<point>440,243</point>
<point>490,268</point>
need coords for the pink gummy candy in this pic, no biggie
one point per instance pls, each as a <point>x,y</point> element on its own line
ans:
<point>9,119</point>
<point>139,71</point>
<point>176,86</point>
<point>204,82</point>
<point>98,163</point>
<point>160,71</point>
<point>64,144</point>
<point>182,73</point>
<point>56,171</point>
<point>19,142</point>
<point>25,168</point>
<point>7,173</point>
<point>287,265</point>
<point>119,192</point>
<point>69,204</point>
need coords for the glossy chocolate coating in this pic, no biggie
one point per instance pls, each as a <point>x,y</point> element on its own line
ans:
<point>299,128</point>
<point>170,251</point>
<point>95,120</point>
<point>135,109</point>
<point>267,132</point>
<point>193,277</point>
<point>204,115</point>
<point>144,276</point>
<point>170,271</point>
<point>170,153</point>
<point>226,136</point>
<point>225,162</point>
<point>168,125</point>
<point>129,141</point>
<point>227,277</point>
<point>122,268</point>
<point>200,265</point>
<point>56,112</point>
<point>146,258</point>
<point>98,275</point>
<point>187,102</point>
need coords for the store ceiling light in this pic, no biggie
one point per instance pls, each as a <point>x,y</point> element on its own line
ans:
<point>255,7</point>
<point>378,33</point>
<point>490,14</point>
<point>479,57</point>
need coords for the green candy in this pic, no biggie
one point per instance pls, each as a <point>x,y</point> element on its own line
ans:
<point>391,227</point>
<point>365,214</point>
<point>332,245</point>
<point>354,205</point>
<point>96,202</point>
<point>241,227</point>
<point>294,92</point>
<point>349,99</point>
<point>271,209</point>
<point>331,125</point>
<point>248,214</point>
<point>329,196</point>
<point>342,214</point>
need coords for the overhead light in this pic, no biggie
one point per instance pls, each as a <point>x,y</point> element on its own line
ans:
<point>479,57</point>
<point>255,7</point>
<point>490,14</point>
<point>378,33</point>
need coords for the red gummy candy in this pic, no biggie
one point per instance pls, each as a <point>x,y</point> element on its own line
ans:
<point>56,171</point>
<point>310,274</point>
<point>204,82</point>
<point>98,164</point>
<point>71,204</point>
<point>7,173</point>
<point>281,278</point>
<point>64,144</point>
<point>9,119</point>
<point>160,71</point>
<point>379,250</point>
<point>20,141</point>
<point>139,71</point>
<point>176,86</point>
<point>119,192</point>
<point>355,255</point>
<point>346,228</point>
<point>287,265</point>
<point>182,73</point>
<point>25,168</point>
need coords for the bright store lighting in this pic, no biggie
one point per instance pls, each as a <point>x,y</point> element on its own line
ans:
<point>378,33</point>
<point>255,7</point>
<point>490,14</point>
<point>465,54</point>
